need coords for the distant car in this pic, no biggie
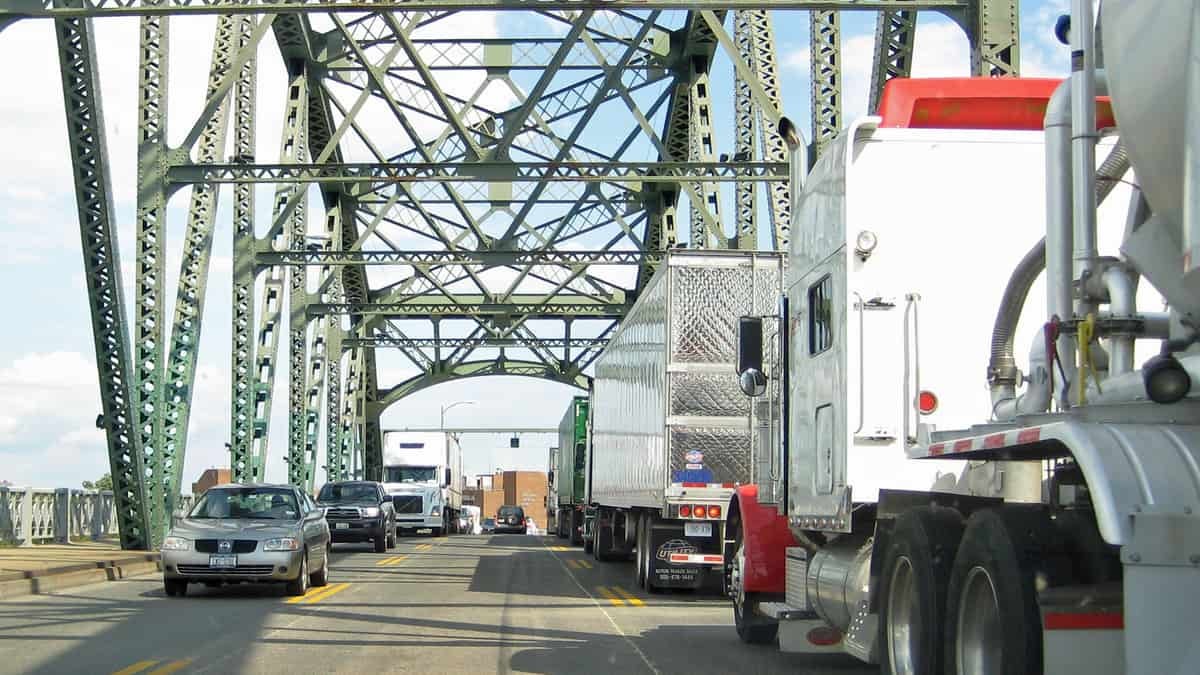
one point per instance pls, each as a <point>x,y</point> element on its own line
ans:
<point>248,533</point>
<point>359,511</point>
<point>488,526</point>
<point>511,519</point>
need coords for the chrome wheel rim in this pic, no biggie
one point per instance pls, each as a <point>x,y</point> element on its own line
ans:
<point>903,619</point>
<point>980,633</point>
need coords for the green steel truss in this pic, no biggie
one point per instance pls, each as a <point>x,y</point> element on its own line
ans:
<point>445,205</point>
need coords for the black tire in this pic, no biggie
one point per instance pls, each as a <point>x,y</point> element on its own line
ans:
<point>175,588</point>
<point>391,538</point>
<point>589,545</point>
<point>562,524</point>
<point>640,548</point>
<point>602,548</point>
<point>436,532</point>
<point>1094,561</point>
<point>321,576</point>
<point>299,585</point>
<point>380,543</point>
<point>918,559</point>
<point>752,627</point>
<point>575,534</point>
<point>1007,548</point>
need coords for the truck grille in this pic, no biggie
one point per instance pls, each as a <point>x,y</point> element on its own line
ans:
<point>408,503</point>
<point>342,513</point>
<point>239,571</point>
<point>239,545</point>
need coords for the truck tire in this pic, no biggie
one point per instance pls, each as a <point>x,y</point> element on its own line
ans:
<point>576,531</point>
<point>436,532</point>
<point>916,572</point>
<point>604,543</point>
<point>640,549</point>
<point>752,627</point>
<point>561,523</point>
<point>588,545</point>
<point>380,543</point>
<point>992,617</point>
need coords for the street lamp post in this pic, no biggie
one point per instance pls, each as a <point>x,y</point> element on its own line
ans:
<point>442,423</point>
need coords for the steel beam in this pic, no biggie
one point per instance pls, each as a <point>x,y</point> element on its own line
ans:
<point>826,67</point>
<point>372,439</point>
<point>245,465</point>
<point>102,272</point>
<point>444,258</point>
<point>49,8</point>
<point>296,234</point>
<point>895,32</point>
<point>994,33</point>
<point>383,340</point>
<point>745,194</point>
<point>193,274</point>
<point>473,305</point>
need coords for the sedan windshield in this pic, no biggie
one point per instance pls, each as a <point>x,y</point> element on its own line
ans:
<point>248,503</point>
<point>349,493</point>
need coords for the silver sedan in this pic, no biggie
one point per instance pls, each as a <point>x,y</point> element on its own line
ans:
<point>248,533</point>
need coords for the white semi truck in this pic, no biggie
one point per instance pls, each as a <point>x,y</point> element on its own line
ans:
<point>935,505</point>
<point>669,436</point>
<point>422,471</point>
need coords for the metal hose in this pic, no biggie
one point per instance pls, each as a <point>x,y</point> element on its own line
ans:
<point>1002,367</point>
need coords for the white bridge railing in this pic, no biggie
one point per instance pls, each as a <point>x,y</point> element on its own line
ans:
<point>43,515</point>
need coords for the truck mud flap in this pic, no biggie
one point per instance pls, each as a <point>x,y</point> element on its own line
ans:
<point>675,560</point>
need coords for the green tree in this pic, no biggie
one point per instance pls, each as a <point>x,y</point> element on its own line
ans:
<point>105,483</point>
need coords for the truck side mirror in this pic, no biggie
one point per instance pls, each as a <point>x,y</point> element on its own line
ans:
<point>447,483</point>
<point>750,357</point>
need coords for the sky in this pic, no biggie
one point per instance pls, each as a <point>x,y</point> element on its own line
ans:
<point>49,395</point>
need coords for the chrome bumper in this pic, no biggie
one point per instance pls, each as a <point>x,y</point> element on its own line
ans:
<point>256,566</point>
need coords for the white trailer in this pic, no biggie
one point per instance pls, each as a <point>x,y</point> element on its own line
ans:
<point>423,472</point>
<point>669,434</point>
<point>1036,520</point>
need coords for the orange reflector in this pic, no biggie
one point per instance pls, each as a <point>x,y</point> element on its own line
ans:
<point>975,103</point>
<point>685,511</point>
<point>927,402</point>
<point>714,512</point>
<point>698,511</point>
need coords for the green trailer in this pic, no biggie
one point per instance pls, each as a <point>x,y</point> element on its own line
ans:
<point>570,484</point>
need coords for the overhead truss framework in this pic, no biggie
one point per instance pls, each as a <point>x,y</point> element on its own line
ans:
<point>444,205</point>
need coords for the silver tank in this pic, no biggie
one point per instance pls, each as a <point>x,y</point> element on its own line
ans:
<point>839,577</point>
<point>1147,49</point>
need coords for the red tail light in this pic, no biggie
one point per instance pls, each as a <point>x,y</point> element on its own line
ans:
<point>699,511</point>
<point>714,512</point>
<point>927,402</point>
<point>685,511</point>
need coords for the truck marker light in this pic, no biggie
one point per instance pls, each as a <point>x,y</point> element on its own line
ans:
<point>698,511</point>
<point>714,512</point>
<point>927,402</point>
<point>824,636</point>
<point>685,511</point>
<point>695,485</point>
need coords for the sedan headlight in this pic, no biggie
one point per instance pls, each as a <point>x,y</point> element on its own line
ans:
<point>437,511</point>
<point>281,544</point>
<point>176,544</point>
<point>371,512</point>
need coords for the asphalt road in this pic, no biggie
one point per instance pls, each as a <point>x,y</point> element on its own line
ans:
<point>461,604</point>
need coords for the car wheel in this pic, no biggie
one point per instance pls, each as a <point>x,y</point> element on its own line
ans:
<point>391,540</point>
<point>299,585</point>
<point>380,543</point>
<point>175,587</point>
<point>321,576</point>
<point>436,532</point>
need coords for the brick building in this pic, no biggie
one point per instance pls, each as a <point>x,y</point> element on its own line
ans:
<point>209,478</point>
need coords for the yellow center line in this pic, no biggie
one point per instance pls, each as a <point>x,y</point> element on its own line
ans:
<point>136,668</point>
<point>573,564</point>
<point>389,561</point>
<point>312,593</point>
<point>171,667</point>
<point>329,591</point>
<point>629,596</point>
<point>397,561</point>
<point>586,564</point>
<point>609,594</point>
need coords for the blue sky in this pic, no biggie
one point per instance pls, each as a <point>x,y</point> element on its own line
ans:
<point>48,389</point>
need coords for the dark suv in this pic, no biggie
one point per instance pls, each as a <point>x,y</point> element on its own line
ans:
<point>511,519</point>
<point>359,511</point>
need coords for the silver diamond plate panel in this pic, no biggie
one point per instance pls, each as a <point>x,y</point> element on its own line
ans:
<point>726,452</point>
<point>708,395</point>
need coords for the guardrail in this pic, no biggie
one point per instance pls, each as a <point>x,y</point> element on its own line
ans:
<point>31,516</point>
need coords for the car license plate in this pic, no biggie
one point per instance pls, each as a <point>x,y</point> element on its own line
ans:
<point>222,561</point>
<point>341,526</point>
<point>697,529</point>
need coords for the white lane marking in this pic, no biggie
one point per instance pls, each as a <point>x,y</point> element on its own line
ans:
<point>608,616</point>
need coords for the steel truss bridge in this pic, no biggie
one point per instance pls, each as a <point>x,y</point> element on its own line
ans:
<point>512,214</point>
